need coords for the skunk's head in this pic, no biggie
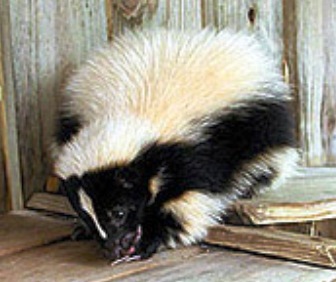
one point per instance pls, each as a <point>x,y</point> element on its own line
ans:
<point>112,203</point>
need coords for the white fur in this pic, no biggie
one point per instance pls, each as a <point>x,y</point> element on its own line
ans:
<point>163,80</point>
<point>104,142</point>
<point>197,211</point>
<point>152,86</point>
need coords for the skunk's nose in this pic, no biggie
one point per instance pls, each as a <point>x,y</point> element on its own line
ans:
<point>127,241</point>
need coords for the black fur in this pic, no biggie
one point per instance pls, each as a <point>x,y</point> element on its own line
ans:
<point>66,128</point>
<point>233,138</point>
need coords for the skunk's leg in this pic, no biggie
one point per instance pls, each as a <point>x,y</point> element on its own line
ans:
<point>81,232</point>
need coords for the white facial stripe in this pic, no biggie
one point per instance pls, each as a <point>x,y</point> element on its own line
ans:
<point>87,206</point>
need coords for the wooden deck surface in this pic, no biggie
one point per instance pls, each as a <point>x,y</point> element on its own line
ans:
<point>36,248</point>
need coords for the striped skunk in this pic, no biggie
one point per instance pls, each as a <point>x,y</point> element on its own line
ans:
<point>159,133</point>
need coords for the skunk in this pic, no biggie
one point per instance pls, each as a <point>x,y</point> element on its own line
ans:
<point>161,131</point>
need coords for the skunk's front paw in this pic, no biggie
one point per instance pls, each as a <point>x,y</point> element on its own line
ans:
<point>147,248</point>
<point>81,232</point>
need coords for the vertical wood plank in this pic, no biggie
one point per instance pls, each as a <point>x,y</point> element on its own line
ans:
<point>311,72</point>
<point>165,13</point>
<point>48,39</point>
<point>194,14</point>
<point>268,24</point>
<point>329,87</point>
<point>310,39</point>
<point>258,16</point>
<point>3,188</point>
<point>8,115</point>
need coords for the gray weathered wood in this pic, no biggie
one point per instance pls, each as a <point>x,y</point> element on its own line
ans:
<point>47,40</point>
<point>8,113</point>
<point>3,188</point>
<point>310,37</point>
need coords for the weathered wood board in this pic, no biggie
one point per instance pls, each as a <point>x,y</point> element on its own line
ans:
<point>52,203</point>
<point>8,122</point>
<point>20,231</point>
<point>81,261</point>
<point>310,196</point>
<point>272,242</point>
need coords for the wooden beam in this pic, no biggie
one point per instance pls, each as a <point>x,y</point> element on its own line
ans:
<point>272,242</point>
<point>263,213</point>
<point>310,196</point>
<point>8,113</point>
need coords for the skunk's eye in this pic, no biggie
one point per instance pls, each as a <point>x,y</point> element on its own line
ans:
<point>117,214</point>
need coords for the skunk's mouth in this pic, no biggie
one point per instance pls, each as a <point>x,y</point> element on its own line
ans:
<point>124,248</point>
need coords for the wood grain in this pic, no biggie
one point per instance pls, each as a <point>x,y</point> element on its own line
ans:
<point>321,228</point>
<point>314,250</point>
<point>24,230</point>
<point>263,213</point>
<point>228,266</point>
<point>3,186</point>
<point>310,196</point>
<point>8,120</point>
<point>47,40</point>
<point>81,261</point>
<point>310,37</point>
<point>51,203</point>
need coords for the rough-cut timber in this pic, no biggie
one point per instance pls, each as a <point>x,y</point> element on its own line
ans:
<point>23,230</point>
<point>276,243</point>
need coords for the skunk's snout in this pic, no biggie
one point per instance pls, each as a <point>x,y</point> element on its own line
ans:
<point>123,246</point>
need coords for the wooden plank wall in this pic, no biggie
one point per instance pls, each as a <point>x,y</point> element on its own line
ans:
<point>48,38</point>
<point>10,167</point>
<point>310,40</point>
<point>3,189</point>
